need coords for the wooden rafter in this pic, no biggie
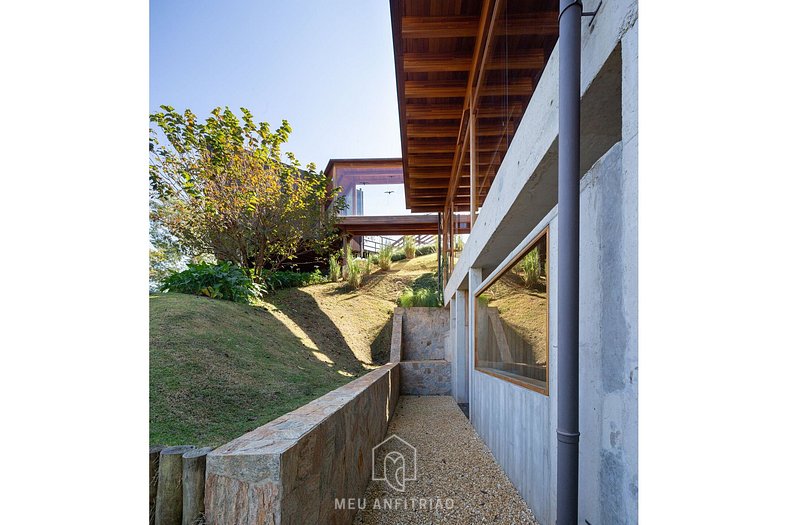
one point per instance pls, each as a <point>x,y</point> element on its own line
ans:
<point>439,26</point>
<point>453,57</point>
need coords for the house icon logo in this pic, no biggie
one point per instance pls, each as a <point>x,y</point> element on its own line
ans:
<point>394,461</point>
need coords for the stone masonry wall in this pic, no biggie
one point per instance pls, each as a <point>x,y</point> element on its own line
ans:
<point>423,333</point>
<point>290,470</point>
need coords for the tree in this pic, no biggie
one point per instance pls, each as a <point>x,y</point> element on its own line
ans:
<point>222,187</point>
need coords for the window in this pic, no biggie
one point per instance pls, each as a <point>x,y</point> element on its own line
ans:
<point>512,320</point>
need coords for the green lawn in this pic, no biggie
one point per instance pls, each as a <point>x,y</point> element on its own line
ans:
<point>219,369</point>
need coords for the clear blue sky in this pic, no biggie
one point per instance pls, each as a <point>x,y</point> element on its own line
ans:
<point>325,66</point>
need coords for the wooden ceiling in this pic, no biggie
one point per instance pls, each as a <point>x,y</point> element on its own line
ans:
<point>453,55</point>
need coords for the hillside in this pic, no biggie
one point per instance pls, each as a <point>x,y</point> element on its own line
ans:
<point>219,369</point>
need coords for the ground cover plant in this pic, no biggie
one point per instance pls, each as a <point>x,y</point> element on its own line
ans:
<point>222,280</point>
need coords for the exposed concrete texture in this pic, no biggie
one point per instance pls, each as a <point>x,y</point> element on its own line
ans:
<point>423,333</point>
<point>425,378</point>
<point>290,470</point>
<point>519,425</point>
<point>608,345</point>
<point>459,329</point>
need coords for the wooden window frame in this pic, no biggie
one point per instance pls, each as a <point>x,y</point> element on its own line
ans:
<point>522,382</point>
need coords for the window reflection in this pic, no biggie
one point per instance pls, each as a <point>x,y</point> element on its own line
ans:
<point>512,320</point>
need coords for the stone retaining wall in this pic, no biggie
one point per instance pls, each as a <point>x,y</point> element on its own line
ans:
<point>290,470</point>
<point>423,333</point>
<point>425,378</point>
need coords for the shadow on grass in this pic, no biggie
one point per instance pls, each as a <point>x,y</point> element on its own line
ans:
<point>304,310</point>
<point>219,369</point>
<point>381,346</point>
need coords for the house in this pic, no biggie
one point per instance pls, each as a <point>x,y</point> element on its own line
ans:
<point>541,151</point>
<point>519,126</point>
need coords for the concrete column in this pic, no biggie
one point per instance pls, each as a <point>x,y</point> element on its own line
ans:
<point>474,280</point>
<point>460,329</point>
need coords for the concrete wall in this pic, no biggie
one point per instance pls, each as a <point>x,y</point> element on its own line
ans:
<point>290,470</point>
<point>517,424</point>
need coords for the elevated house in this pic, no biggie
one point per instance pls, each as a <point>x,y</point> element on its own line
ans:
<point>524,115</point>
<point>519,126</point>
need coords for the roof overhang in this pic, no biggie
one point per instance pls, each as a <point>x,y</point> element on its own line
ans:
<point>452,56</point>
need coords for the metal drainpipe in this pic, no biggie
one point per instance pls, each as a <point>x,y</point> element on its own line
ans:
<point>568,259</point>
<point>440,258</point>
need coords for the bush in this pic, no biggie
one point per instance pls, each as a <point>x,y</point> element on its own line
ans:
<point>425,250</point>
<point>385,257</point>
<point>531,267</point>
<point>334,270</point>
<point>354,274</point>
<point>459,244</point>
<point>222,280</point>
<point>289,279</point>
<point>419,297</point>
<point>409,246</point>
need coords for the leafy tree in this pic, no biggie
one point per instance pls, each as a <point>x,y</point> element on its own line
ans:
<point>222,187</point>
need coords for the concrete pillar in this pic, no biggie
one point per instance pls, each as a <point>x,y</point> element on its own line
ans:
<point>474,280</point>
<point>460,329</point>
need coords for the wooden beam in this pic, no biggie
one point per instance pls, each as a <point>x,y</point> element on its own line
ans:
<point>489,12</point>
<point>497,111</point>
<point>523,87</point>
<point>437,146</point>
<point>437,62</point>
<point>428,89</point>
<point>430,131</point>
<point>472,172</point>
<point>528,59</point>
<point>439,26</point>
<point>532,24</point>
<point>434,112</point>
<point>445,160</point>
<point>440,62</point>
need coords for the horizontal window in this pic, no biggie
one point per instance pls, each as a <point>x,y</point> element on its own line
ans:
<point>512,320</point>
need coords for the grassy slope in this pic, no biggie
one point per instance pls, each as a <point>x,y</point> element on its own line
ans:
<point>219,369</point>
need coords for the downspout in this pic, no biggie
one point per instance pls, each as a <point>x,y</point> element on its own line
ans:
<point>568,259</point>
<point>440,258</point>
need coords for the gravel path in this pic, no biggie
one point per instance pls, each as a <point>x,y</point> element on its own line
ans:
<point>458,482</point>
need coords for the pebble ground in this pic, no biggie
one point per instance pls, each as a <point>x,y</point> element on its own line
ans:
<point>453,464</point>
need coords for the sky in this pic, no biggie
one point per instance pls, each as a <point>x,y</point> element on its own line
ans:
<point>327,66</point>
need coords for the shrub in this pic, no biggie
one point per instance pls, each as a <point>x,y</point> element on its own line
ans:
<point>385,257</point>
<point>334,270</point>
<point>398,255</point>
<point>367,265</point>
<point>409,246</point>
<point>459,244</point>
<point>425,250</point>
<point>289,279</point>
<point>418,297</point>
<point>354,274</point>
<point>222,280</point>
<point>531,267</point>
